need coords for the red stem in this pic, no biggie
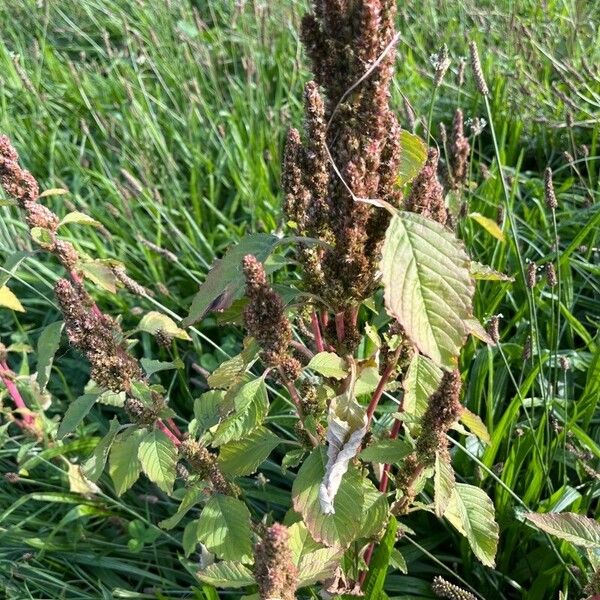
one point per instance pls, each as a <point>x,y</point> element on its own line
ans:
<point>174,428</point>
<point>340,327</point>
<point>317,332</point>
<point>381,386</point>
<point>168,432</point>
<point>26,416</point>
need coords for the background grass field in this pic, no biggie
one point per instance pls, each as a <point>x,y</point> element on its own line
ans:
<point>165,121</point>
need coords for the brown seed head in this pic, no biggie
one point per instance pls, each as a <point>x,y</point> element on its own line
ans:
<point>274,570</point>
<point>477,70</point>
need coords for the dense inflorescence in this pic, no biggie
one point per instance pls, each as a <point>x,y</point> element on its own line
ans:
<point>265,319</point>
<point>97,337</point>
<point>351,150</point>
<point>458,152</point>
<point>443,409</point>
<point>427,195</point>
<point>275,572</point>
<point>444,589</point>
<point>23,187</point>
<point>204,464</point>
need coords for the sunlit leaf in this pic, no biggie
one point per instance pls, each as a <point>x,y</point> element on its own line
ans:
<point>471,512</point>
<point>578,529</point>
<point>153,322</point>
<point>9,300</point>
<point>489,225</point>
<point>158,457</point>
<point>427,286</point>
<point>225,280</point>
<point>224,528</point>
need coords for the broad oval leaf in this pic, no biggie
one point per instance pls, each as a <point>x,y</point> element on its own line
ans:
<point>387,450</point>
<point>471,512</point>
<point>334,530</point>
<point>225,278</point>
<point>427,285</point>
<point>243,457</point>
<point>328,364</point>
<point>224,528</point>
<point>123,464</point>
<point>422,379</point>
<point>158,457</point>
<point>250,408</point>
<point>227,574</point>
<point>314,561</point>
<point>443,482</point>
<point>571,527</point>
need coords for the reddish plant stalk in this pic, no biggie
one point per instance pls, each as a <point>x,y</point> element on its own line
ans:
<point>340,326</point>
<point>174,438</point>
<point>378,393</point>
<point>27,418</point>
<point>317,332</point>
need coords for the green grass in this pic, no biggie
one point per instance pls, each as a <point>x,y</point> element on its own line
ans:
<point>166,122</point>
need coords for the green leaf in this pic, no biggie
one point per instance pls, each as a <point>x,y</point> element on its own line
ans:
<point>250,408</point>
<point>386,451</point>
<point>94,465</point>
<point>224,528</point>
<point>375,511</point>
<point>227,574</point>
<point>413,155</point>
<point>110,398</point>
<point>571,527</point>
<point>443,482</point>
<point>489,225</point>
<point>153,322</point>
<point>314,561</point>
<point>471,512</point>
<point>375,580</point>
<point>189,540</point>
<point>486,273</point>
<point>193,495</point>
<point>341,528</point>
<point>123,465</point>
<point>158,456</point>
<point>476,425</point>
<point>100,273</point>
<point>243,457</point>
<point>422,379</point>
<point>79,218</point>
<point>328,364</point>
<point>47,346</point>
<point>152,366</point>
<point>9,300</point>
<point>231,372</point>
<point>41,236</point>
<point>75,413</point>
<point>427,286</point>
<point>207,411</point>
<point>225,280</point>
